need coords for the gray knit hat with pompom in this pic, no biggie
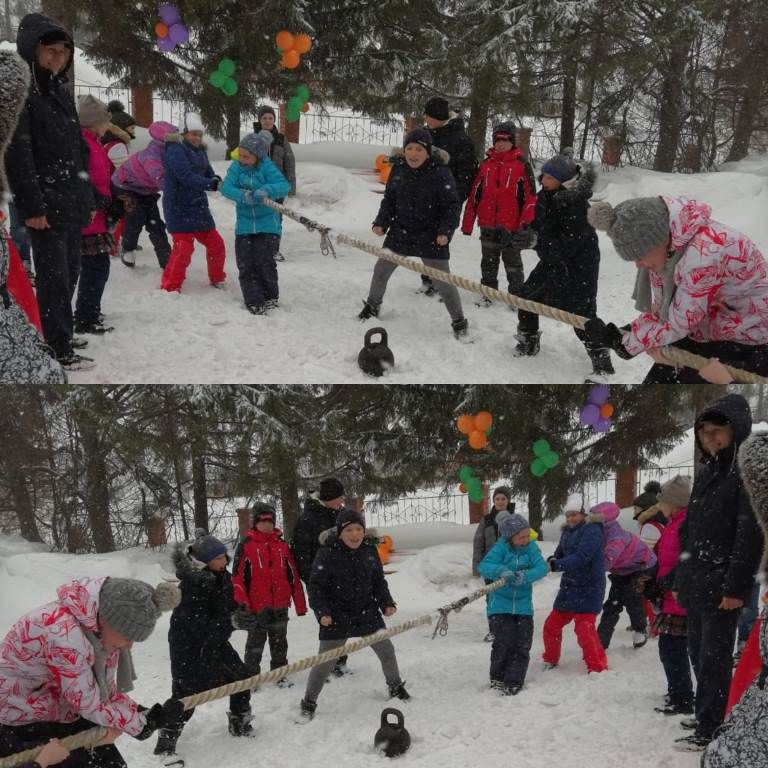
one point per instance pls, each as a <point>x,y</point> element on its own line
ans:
<point>132,607</point>
<point>635,226</point>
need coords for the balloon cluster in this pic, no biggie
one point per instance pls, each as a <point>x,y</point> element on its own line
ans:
<point>170,30</point>
<point>292,47</point>
<point>471,484</point>
<point>222,77</point>
<point>384,167</point>
<point>598,411</point>
<point>545,460</point>
<point>476,428</point>
<point>297,103</point>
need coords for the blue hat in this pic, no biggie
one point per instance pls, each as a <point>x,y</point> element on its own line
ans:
<point>257,143</point>
<point>206,547</point>
<point>561,167</point>
<point>511,525</point>
<point>419,136</point>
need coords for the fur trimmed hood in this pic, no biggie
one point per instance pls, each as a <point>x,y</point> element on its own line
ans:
<point>14,84</point>
<point>753,465</point>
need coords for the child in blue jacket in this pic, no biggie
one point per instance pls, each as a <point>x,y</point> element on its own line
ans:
<point>510,608</point>
<point>249,180</point>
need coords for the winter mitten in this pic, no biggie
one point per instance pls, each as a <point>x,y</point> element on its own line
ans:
<point>166,715</point>
<point>602,335</point>
<point>248,198</point>
<point>518,578</point>
<point>507,575</point>
<point>261,193</point>
<point>552,563</point>
<point>242,618</point>
<point>216,182</point>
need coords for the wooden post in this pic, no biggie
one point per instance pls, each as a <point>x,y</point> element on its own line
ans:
<point>478,508</point>
<point>243,520</point>
<point>626,486</point>
<point>76,542</point>
<point>291,130</point>
<point>612,147</point>
<point>142,108</point>
<point>156,536</point>
<point>523,140</point>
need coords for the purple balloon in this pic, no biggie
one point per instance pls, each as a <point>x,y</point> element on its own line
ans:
<point>599,394</point>
<point>589,414</point>
<point>179,34</point>
<point>170,14</point>
<point>602,425</point>
<point>165,44</point>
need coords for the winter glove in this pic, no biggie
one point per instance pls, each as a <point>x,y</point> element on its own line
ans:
<point>261,193</point>
<point>601,335</point>
<point>242,618</point>
<point>248,198</point>
<point>167,715</point>
<point>216,181</point>
<point>507,575</point>
<point>517,579</point>
<point>552,563</point>
<point>523,239</point>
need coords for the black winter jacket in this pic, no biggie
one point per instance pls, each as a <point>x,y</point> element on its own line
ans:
<point>47,159</point>
<point>315,519</point>
<point>453,138</point>
<point>201,654</point>
<point>419,204</point>
<point>349,586</point>
<point>720,540</point>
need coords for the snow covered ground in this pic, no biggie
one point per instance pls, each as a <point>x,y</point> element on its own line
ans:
<point>563,717</point>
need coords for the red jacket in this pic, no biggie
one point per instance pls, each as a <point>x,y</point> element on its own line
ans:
<point>265,574</point>
<point>502,194</point>
<point>21,289</point>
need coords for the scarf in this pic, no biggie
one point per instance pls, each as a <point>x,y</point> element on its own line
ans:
<point>643,293</point>
<point>125,674</point>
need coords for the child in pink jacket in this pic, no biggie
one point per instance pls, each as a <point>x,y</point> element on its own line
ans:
<point>626,558</point>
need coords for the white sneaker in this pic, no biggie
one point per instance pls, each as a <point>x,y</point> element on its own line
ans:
<point>639,639</point>
<point>128,258</point>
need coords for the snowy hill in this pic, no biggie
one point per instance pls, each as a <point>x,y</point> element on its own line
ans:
<point>563,717</point>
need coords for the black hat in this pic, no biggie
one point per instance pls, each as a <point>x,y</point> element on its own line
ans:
<point>330,488</point>
<point>348,517</point>
<point>437,108</point>
<point>262,511</point>
<point>648,497</point>
<point>419,136</point>
<point>504,131</point>
<point>265,110</point>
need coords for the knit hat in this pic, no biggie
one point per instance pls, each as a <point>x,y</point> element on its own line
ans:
<point>561,167</point>
<point>512,524</point>
<point>206,547</point>
<point>131,607</point>
<point>263,511</point>
<point>605,511</point>
<point>92,112</point>
<point>504,491</point>
<point>648,497</point>
<point>192,122</point>
<point>574,503</point>
<point>348,517</point>
<point>437,108</point>
<point>504,131</point>
<point>636,226</point>
<point>419,136</point>
<point>330,489</point>
<point>266,110</point>
<point>120,117</point>
<point>676,491</point>
<point>753,467</point>
<point>257,144</point>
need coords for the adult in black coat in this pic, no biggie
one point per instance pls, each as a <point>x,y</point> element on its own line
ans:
<point>201,655</point>
<point>46,164</point>
<point>720,545</point>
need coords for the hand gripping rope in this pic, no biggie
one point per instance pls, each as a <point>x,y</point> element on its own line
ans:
<point>673,355</point>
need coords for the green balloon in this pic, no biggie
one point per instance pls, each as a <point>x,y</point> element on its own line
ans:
<point>540,447</point>
<point>217,79</point>
<point>294,104</point>
<point>538,467</point>
<point>474,484</point>
<point>551,459</point>
<point>465,474</point>
<point>475,497</point>
<point>292,115</point>
<point>229,86</point>
<point>227,67</point>
<point>302,92</point>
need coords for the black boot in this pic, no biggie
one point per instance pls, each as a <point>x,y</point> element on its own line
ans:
<point>397,691</point>
<point>460,328</point>
<point>528,343</point>
<point>601,362</point>
<point>368,311</point>
<point>240,724</point>
<point>166,741</point>
<point>307,710</point>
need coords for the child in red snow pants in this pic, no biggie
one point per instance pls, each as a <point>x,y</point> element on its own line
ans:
<point>586,634</point>
<point>183,245</point>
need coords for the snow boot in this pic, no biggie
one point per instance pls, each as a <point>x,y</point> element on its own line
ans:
<point>284,682</point>
<point>97,328</point>
<point>601,362</point>
<point>307,711</point>
<point>397,691</point>
<point>79,343</point>
<point>488,638</point>
<point>511,690</point>
<point>166,741</point>
<point>74,362</point>
<point>694,743</point>
<point>497,685</point>
<point>128,258</point>
<point>271,304</point>
<point>368,311</point>
<point>340,668</point>
<point>675,709</point>
<point>691,724</point>
<point>460,328</point>
<point>528,344</point>
<point>279,256</point>
<point>240,724</point>
<point>257,309</point>
<point>549,665</point>
<point>483,302</point>
<point>639,639</point>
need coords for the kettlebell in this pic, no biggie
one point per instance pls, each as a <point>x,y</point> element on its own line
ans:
<point>392,738</point>
<point>375,358</point>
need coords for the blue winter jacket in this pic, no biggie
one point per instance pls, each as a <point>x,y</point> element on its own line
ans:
<point>188,175</point>
<point>504,557</point>
<point>255,218</point>
<point>580,557</point>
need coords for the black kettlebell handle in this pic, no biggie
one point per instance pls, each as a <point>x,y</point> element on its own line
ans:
<point>385,713</point>
<point>372,332</point>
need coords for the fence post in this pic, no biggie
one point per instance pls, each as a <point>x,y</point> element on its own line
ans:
<point>156,536</point>
<point>143,112</point>
<point>626,486</point>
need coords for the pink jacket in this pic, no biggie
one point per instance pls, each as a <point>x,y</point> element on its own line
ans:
<point>668,553</point>
<point>144,171</point>
<point>100,171</point>
<point>624,552</point>
<point>722,285</point>
<point>45,666</point>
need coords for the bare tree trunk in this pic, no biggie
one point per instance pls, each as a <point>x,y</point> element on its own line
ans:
<point>180,495</point>
<point>568,114</point>
<point>535,510</point>
<point>96,487</point>
<point>199,484</point>
<point>749,113</point>
<point>670,109</point>
<point>233,124</point>
<point>480,102</point>
<point>289,501</point>
<point>22,502</point>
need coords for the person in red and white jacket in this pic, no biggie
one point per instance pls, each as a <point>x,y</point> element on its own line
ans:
<point>265,581</point>
<point>503,200</point>
<point>701,285</point>
<point>65,667</point>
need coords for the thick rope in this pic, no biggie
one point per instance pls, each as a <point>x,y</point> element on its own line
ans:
<point>674,355</point>
<point>441,626</point>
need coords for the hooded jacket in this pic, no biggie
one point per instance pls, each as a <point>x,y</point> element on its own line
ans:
<point>100,171</point>
<point>668,552</point>
<point>47,160</point>
<point>624,552</point>
<point>46,666</point>
<point>720,541</point>
<point>144,171</point>
<point>452,137</point>
<point>188,176</point>
<point>315,519</point>
<point>722,285</point>
<point>581,558</point>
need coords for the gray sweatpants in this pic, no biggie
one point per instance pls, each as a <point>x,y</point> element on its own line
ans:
<point>317,677</point>
<point>449,293</point>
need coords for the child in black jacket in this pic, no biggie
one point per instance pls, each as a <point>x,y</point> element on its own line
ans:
<point>569,257</point>
<point>201,654</point>
<point>348,593</point>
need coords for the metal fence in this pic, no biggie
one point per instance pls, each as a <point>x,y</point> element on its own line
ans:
<point>170,110</point>
<point>355,129</point>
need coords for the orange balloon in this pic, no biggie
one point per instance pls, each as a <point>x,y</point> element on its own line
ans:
<point>380,160</point>
<point>161,29</point>
<point>384,173</point>
<point>465,424</point>
<point>291,59</point>
<point>478,440</point>
<point>302,43</point>
<point>305,108</point>
<point>463,488</point>
<point>285,40</point>
<point>606,410</point>
<point>483,421</point>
